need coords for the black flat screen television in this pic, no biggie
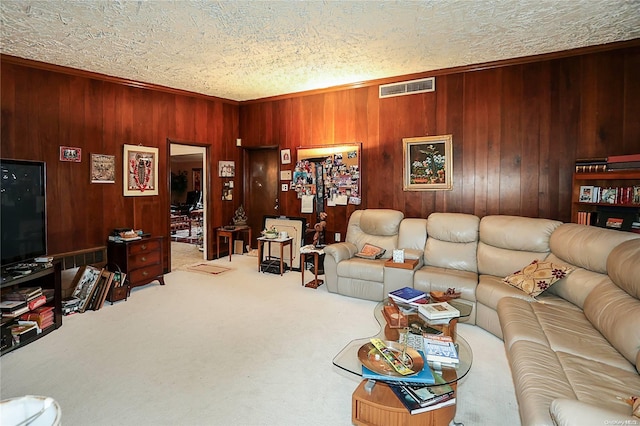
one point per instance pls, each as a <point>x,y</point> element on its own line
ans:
<point>23,214</point>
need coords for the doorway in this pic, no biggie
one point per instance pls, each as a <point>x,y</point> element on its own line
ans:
<point>188,212</point>
<point>262,187</point>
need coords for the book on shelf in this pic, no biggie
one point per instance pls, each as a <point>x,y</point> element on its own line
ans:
<point>12,305</point>
<point>439,348</point>
<point>407,295</point>
<point>623,158</point>
<point>413,406</point>
<point>591,165</point>
<point>441,310</point>
<point>24,294</point>
<point>586,194</point>
<point>624,165</point>
<point>38,301</point>
<point>16,313</point>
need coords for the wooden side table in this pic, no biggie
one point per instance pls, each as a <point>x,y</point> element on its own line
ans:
<point>230,234</point>
<point>316,253</point>
<point>383,408</point>
<point>282,242</point>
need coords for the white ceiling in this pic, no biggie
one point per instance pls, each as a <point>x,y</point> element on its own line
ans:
<point>243,50</point>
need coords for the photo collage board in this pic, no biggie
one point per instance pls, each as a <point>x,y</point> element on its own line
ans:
<point>330,173</point>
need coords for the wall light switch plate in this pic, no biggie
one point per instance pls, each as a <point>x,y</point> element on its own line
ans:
<point>336,237</point>
<point>238,142</point>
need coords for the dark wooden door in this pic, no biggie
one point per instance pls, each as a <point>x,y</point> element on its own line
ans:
<point>261,195</point>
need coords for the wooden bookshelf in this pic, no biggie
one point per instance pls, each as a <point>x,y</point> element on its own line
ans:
<point>608,179</point>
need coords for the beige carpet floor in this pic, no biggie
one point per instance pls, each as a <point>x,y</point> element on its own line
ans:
<point>238,348</point>
<point>183,254</point>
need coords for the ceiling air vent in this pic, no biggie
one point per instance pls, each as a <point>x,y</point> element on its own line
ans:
<point>408,87</point>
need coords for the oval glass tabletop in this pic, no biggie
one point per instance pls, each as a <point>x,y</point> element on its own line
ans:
<point>348,358</point>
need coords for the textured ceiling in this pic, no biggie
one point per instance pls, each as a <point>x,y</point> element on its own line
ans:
<point>244,50</point>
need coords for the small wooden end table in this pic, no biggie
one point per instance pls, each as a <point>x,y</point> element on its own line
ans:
<point>280,241</point>
<point>230,233</point>
<point>316,252</point>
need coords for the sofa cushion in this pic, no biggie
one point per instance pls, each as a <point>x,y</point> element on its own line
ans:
<point>375,226</point>
<point>539,378</point>
<point>599,384</point>
<point>383,222</point>
<point>491,289</point>
<point>432,278</point>
<point>537,277</point>
<point>617,317</point>
<point>362,269</point>
<point>586,246</point>
<point>412,234</point>
<point>576,287</point>
<point>509,242</point>
<point>624,268</point>
<point>561,326</point>
<point>452,241</point>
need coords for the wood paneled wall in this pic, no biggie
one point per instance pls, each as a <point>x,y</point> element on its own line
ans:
<point>517,129</point>
<point>44,109</point>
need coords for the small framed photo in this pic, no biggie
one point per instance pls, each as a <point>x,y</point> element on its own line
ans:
<point>140,167</point>
<point>68,153</point>
<point>285,174</point>
<point>428,163</point>
<point>586,194</point>
<point>103,168</point>
<point>285,187</point>
<point>285,156</point>
<point>226,169</point>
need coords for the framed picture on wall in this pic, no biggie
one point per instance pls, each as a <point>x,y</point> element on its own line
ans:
<point>140,167</point>
<point>103,168</point>
<point>197,179</point>
<point>226,169</point>
<point>285,156</point>
<point>427,163</point>
<point>69,153</point>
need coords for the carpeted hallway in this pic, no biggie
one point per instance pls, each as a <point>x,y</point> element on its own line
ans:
<point>236,348</point>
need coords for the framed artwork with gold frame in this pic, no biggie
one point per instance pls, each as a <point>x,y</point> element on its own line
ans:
<point>427,163</point>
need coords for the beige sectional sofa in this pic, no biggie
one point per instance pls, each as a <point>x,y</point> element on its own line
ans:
<point>573,350</point>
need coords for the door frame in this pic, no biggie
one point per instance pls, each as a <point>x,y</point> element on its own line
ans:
<point>206,193</point>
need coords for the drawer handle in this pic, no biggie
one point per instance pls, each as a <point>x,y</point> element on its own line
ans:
<point>144,259</point>
<point>145,273</point>
<point>144,247</point>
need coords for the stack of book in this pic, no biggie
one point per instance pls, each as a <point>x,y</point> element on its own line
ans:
<point>591,165</point>
<point>419,398</point>
<point>623,162</point>
<point>21,300</point>
<point>43,316</point>
<point>409,296</point>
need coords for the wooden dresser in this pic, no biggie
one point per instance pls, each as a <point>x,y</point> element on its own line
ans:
<point>141,260</point>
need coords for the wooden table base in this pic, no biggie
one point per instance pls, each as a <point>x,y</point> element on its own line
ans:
<point>383,408</point>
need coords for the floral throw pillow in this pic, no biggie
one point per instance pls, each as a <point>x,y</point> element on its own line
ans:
<point>537,276</point>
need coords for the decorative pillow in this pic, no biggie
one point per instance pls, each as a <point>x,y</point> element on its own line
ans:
<point>537,276</point>
<point>369,251</point>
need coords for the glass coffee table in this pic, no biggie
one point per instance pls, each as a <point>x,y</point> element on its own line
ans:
<point>375,403</point>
